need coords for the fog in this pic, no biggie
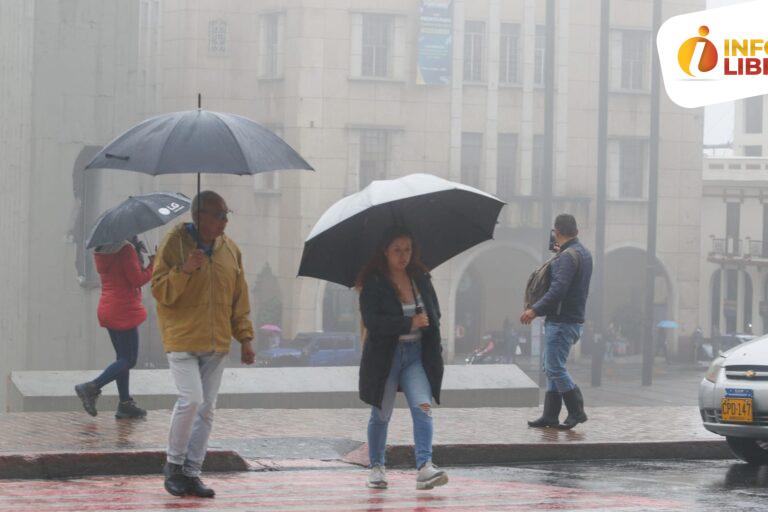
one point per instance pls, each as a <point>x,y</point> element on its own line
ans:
<point>367,90</point>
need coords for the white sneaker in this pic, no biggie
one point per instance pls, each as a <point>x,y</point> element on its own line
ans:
<point>377,479</point>
<point>429,476</point>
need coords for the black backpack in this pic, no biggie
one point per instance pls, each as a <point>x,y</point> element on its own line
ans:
<point>541,278</point>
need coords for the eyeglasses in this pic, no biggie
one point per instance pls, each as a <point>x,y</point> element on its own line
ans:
<point>219,215</point>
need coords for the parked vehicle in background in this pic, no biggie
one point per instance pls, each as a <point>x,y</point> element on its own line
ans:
<point>733,399</point>
<point>315,349</point>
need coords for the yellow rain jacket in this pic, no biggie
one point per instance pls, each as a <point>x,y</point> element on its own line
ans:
<point>201,312</point>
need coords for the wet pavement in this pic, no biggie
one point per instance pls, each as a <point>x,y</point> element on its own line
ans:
<point>624,486</point>
<point>325,433</point>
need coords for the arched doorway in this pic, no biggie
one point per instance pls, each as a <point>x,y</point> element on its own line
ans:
<point>490,290</point>
<point>624,303</point>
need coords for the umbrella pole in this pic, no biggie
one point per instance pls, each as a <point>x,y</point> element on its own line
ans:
<point>197,210</point>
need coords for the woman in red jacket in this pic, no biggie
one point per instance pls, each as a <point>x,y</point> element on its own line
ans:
<point>122,273</point>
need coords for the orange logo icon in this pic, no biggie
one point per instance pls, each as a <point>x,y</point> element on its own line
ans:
<point>702,46</point>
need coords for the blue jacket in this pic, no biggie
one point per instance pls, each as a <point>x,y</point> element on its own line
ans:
<point>566,299</point>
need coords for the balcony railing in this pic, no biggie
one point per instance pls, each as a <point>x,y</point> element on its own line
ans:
<point>737,248</point>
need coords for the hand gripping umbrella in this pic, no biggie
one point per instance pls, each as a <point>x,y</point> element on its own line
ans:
<point>445,218</point>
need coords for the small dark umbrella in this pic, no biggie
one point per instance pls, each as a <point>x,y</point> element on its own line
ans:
<point>446,218</point>
<point>136,215</point>
<point>198,141</point>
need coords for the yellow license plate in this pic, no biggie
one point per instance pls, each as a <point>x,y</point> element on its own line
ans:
<point>737,409</point>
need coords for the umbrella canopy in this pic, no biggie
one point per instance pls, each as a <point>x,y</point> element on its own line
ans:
<point>270,328</point>
<point>446,218</point>
<point>668,324</point>
<point>198,141</point>
<point>136,215</point>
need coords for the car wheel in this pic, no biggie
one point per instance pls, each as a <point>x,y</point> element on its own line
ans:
<point>752,451</point>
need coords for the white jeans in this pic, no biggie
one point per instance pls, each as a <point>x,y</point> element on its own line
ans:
<point>197,376</point>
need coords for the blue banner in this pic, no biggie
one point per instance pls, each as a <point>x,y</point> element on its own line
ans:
<point>435,42</point>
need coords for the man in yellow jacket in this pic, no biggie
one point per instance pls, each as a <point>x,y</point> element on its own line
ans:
<point>202,303</point>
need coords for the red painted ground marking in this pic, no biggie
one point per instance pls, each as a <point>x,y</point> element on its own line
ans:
<point>311,490</point>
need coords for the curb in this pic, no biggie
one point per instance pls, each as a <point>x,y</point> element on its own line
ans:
<point>502,454</point>
<point>78,464</point>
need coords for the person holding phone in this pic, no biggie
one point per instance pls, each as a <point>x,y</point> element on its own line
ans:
<point>401,320</point>
<point>122,272</point>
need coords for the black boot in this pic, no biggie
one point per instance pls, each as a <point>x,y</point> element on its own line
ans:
<point>198,488</point>
<point>574,402</point>
<point>175,481</point>
<point>129,410</point>
<point>551,417</point>
<point>88,393</point>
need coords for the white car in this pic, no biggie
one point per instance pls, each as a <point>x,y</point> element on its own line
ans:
<point>733,399</point>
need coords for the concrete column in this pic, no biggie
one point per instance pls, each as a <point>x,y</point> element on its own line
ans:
<point>488,183</point>
<point>740,287</point>
<point>457,91</point>
<point>528,30</point>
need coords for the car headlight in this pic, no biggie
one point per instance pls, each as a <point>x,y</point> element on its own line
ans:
<point>714,369</point>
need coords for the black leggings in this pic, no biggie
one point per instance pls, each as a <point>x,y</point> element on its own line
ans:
<point>126,345</point>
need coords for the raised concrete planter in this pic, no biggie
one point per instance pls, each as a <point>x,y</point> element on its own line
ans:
<point>272,388</point>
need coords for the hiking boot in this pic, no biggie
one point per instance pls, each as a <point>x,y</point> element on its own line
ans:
<point>429,476</point>
<point>88,393</point>
<point>574,402</point>
<point>175,481</point>
<point>377,479</point>
<point>196,487</point>
<point>129,410</point>
<point>553,403</point>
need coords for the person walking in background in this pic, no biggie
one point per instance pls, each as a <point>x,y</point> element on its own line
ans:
<point>122,273</point>
<point>202,303</point>
<point>510,341</point>
<point>564,306</point>
<point>401,350</point>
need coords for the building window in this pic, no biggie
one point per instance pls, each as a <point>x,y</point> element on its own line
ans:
<point>753,115</point>
<point>732,227</point>
<point>377,45</point>
<point>506,169</point>
<point>471,158</point>
<point>540,51</point>
<point>630,60</point>
<point>271,47</point>
<point>632,162</point>
<point>474,41</point>
<point>753,150</point>
<point>509,53</point>
<point>217,37</point>
<point>374,156</point>
<point>537,164</point>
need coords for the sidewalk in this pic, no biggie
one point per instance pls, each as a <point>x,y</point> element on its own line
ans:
<point>44,445</point>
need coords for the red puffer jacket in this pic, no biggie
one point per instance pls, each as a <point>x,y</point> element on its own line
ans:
<point>122,277</point>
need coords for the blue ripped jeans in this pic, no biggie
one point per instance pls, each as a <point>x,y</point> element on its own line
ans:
<point>559,338</point>
<point>408,373</point>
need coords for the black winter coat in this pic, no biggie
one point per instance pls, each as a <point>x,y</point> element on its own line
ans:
<point>383,317</point>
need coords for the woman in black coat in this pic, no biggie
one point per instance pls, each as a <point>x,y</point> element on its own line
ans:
<point>401,351</point>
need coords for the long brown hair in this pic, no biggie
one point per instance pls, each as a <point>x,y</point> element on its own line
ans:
<point>378,262</point>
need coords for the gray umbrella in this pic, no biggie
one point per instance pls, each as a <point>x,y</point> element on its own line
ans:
<point>136,215</point>
<point>198,141</point>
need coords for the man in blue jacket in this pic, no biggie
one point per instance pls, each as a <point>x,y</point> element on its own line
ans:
<point>564,306</point>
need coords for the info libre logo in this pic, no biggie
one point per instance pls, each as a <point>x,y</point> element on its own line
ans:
<point>697,53</point>
<point>716,55</point>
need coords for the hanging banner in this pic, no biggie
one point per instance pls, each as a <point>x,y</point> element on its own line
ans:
<point>435,42</point>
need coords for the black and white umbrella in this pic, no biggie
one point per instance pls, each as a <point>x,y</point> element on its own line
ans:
<point>136,215</point>
<point>445,218</point>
